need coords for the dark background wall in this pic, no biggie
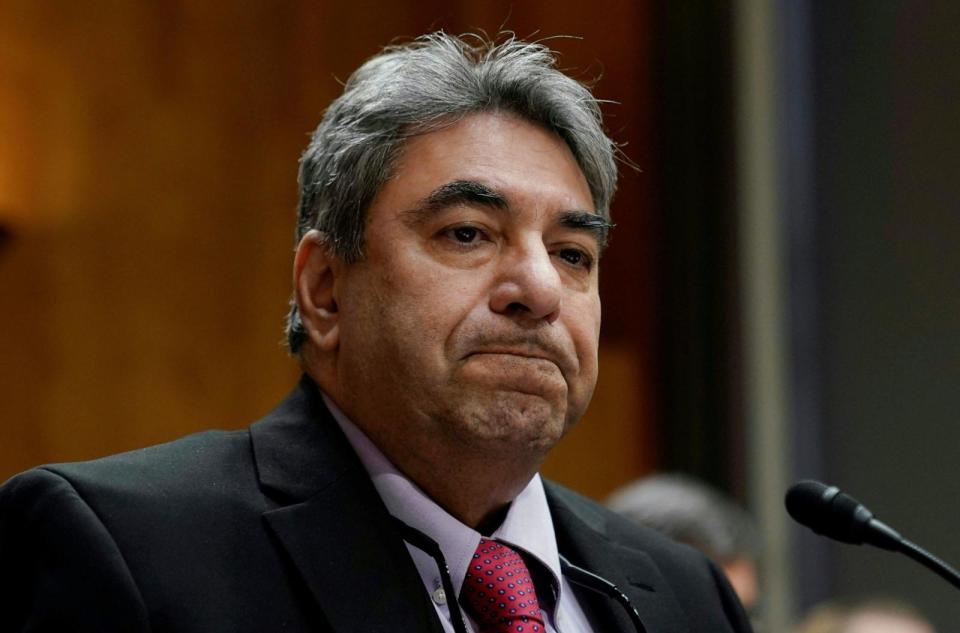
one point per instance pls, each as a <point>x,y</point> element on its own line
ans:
<point>886,167</point>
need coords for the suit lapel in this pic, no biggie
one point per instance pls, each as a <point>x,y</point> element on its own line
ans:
<point>357,569</point>
<point>581,538</point>
<point>332,523</point>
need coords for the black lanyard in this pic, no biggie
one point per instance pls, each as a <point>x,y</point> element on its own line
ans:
<point>588,580</point>
<point>423,542</point>
<point>576,575</point>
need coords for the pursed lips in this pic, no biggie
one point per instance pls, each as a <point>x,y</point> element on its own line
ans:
<point>527,353</point>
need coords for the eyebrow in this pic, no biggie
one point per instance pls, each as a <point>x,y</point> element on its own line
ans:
<point>590,222</point>
<point>457,192</point>
<point>473,193</point>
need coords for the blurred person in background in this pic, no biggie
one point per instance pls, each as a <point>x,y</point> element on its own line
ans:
<point>868,616</point>
<point>691,512</point>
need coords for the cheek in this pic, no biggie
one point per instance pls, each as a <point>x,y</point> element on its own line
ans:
<point>418,310</point>
<point>585,325</point>
<point>585,331</point>
<point>597,318</point>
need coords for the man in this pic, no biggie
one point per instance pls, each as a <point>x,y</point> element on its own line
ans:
<point>454,207</point>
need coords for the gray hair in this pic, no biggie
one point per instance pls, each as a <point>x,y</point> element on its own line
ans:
<point>423,86</point>
<point>688,511</point>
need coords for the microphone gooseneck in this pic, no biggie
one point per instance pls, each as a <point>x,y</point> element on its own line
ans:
<point>834,514</point>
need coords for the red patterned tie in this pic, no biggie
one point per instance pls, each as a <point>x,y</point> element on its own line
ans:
<point>498,591</point>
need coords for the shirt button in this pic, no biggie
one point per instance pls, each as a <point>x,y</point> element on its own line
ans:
<point>440,596</point>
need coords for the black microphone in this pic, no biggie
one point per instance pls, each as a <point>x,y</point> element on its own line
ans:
<point>837,515</point>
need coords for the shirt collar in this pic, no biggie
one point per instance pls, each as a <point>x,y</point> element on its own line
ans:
<point>527,526</point>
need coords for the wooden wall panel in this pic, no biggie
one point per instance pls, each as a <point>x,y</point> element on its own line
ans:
<point>147,171</point>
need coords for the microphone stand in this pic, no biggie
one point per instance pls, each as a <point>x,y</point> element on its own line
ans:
<point>931,562</point>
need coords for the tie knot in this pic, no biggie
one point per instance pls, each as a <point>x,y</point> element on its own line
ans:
<point>498,591</point>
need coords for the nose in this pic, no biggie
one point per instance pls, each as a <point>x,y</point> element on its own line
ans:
<point>528,285</point>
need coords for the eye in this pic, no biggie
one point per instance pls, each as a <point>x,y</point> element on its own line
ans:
<point>465,234</point>
<point>575,257</point>
<point>464,242</point>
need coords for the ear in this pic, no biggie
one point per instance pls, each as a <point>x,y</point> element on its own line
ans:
<point>314,283</point>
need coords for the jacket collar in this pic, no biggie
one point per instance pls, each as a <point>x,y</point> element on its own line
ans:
<point>332,523</point>
<point>583,538</point>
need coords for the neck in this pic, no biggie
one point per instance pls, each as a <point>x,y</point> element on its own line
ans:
<point>473,481</point>
<point>477,491</point>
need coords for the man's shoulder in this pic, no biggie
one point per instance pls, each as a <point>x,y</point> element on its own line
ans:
<point>210,463</point>
<point>200,455</point>
<point>207,461</point>
<point>289,452</point>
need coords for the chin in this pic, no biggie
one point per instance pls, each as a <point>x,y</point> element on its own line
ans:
<point>515,421</point>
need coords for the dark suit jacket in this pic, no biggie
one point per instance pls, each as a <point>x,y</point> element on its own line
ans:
<point>279,528</point>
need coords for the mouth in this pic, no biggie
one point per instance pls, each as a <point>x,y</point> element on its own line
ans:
<point>526,354</point>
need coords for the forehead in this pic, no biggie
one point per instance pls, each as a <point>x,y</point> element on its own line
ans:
<point>532,166</point>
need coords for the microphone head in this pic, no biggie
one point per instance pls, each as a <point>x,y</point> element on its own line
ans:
<point>829,512</point>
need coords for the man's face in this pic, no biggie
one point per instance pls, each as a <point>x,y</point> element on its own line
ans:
<point>473,318</point>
